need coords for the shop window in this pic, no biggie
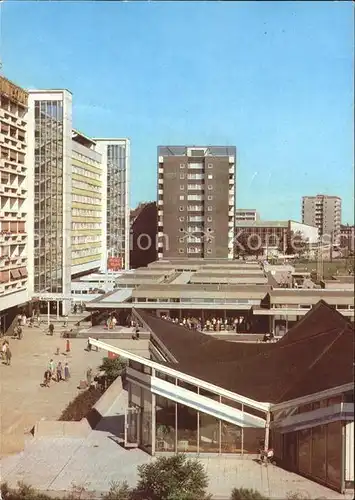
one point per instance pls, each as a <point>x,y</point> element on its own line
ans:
<point>186,429</point>
<point>334,458</point>
<point>319,452</point>
<point>304,450</point>
<point>209,434</point>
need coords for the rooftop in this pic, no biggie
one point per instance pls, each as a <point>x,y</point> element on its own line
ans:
<point>294,367</point>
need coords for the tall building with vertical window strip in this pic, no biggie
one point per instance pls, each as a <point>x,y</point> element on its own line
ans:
<point>87,205</point>
<point>13,200</point>
<point>50,154</point>
<point>116,211</point>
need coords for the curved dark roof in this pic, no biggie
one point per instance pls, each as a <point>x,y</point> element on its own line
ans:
<point>315,355</point>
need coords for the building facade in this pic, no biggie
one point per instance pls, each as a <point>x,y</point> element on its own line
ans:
<point>196,201</point>
<point>246,215</point>
<point>50,155</point>
<point>324,212</point>
<point>88,203</point>
<point>347,237</point>
<point>116,184</point>
<point>13,200</point>
<point>263,236</point>
<point>144,231</point>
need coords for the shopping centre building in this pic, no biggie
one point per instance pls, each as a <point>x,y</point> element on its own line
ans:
<point>197,394</point>
<point>218,288</point>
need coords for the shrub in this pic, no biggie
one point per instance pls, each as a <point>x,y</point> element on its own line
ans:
<point>81,405</point>
<point>23,492</point>
<point>172,478</point>
<point>118,491</point>
<point>247,494</point>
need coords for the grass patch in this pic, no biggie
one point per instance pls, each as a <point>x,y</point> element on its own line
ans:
<point>81,405</point>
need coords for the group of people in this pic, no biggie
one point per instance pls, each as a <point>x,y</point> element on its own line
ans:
<point>6,353</point>
<point>56,372</point>
<point>238,324</point>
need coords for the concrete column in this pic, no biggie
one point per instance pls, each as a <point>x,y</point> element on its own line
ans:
<point>48,312</point>
<point>58,309</point>
<point>267,432</point>
<point>153,419</point>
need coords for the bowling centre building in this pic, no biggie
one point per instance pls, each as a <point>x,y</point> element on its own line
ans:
<point>197,394</point>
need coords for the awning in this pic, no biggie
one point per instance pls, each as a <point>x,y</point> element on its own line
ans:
<point>15,274</point>
<point>23,272</point>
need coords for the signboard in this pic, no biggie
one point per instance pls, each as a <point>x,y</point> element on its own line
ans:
<point>112,355</point>
<point>52,296</point>
<point>114,263</point>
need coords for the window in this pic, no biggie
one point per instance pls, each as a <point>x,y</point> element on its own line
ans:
<point>182,176</point>
<point>182,187</point>
<point>210,176</point>
<point>182,197</point>
<point>181,250</point>
<point>181,229</point>
<point>210,165</point>
<point>182,165</point>
<point>209,230</point>
<point>181,208</point>
<point>209,209</point>
<point>209,197</point>
<point>210,187</point>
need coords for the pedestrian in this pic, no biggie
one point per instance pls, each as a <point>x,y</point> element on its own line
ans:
<point>66,372</point>
<point>75,308</point>
<point>38,315</point>
<point>19,332</point>
<point>8,356</point>
<point>59,372</point>
<point>47,378</point>
<point>97,347</point>
<point>51,329</point>
<point>88,346</point>
<point>3,349</point>
<point>51,367</point>
<point>89,376</point>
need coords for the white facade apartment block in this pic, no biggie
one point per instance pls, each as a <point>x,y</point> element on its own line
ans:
<point>116,193</point>
<point>324,212</point>
<point>50,189</point>
<point>13,198</point>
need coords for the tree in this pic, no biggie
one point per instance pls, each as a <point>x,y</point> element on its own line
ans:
<point>247,244</point>
<point>113,368</point>
<point>172,478</point>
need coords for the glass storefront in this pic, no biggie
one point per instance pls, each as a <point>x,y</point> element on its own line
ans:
<point>316,452</point>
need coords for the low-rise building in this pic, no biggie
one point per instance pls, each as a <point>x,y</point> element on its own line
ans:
<point>347,237</point>
<point>201,395</point>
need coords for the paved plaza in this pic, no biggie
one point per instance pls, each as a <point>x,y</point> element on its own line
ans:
<point>23,401</point>
<point>55,465</point>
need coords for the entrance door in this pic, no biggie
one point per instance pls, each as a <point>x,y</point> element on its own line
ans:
<point>132,426</point>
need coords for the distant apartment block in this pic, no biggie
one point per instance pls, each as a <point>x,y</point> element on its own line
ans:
<point>13,200</point>
<point>116,185</point>
<point>347,237</point>
<point>196,201</point>
<point>50,213</point>
<point>144,232</point>
<point>324,212</point>
<point>246,215</point>
<point>88,205</point>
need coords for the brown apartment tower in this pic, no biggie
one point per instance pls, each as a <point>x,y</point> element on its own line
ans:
<point>196,201</point>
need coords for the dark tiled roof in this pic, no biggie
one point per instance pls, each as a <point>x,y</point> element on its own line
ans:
<point>185,344</point>
<point>316,354</point>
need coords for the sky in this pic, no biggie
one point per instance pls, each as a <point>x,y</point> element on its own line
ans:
<point>275,79</point>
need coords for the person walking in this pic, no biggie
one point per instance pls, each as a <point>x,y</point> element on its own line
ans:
<point>8,356</point>
<point>47,378</point>
<point>89,376</point>
<point>51,329</point>
<point>51,367</point>
<point>59,371</point>
<point>66,372</point>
